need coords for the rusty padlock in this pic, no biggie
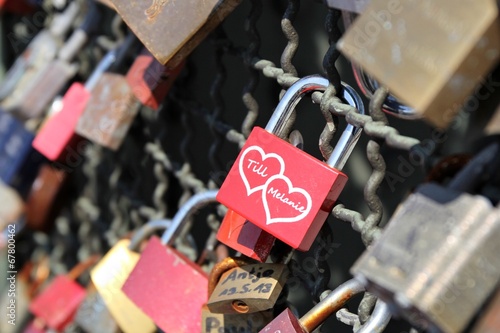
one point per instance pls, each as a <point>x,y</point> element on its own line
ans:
<point>57,304</point>
<point>390,41</point>
<point>247,287</point>
<point>286,198</point>
<point>287,322</point>
<point>151,81</point>
<point>109,113</point>
<point>163,275</point>
<point>163,28</point>
<point>247,322</point>
<point>112,271</point>
<point>42,203</point>
<point>57,138</point>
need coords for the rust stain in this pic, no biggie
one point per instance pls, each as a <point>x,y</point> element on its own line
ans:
<point>155,9</point>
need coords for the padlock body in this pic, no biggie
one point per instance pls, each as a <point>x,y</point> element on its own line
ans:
<point>151,81</point>
<point>436,61</point>
<point>163,28</point>
<point>109,112</point>
<point>168,287</point>
<point>248,289</point>
<point>94,317</point>
<point>243,236</point>
<point>58,303</point>
<point>108,276</point>
<point>233,323</point>
<point>285,322</point>
<point>437,260</point>
<point>57,139</point>
<point>281,189</point>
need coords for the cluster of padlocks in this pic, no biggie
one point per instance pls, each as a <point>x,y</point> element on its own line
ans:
<point>435,265</point>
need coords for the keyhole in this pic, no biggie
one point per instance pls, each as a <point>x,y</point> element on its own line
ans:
<point>240,306</point>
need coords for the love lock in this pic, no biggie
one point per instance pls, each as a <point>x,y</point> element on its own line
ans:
<point>282,189</point>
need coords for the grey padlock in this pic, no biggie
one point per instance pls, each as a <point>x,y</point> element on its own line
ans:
<point>356,6</point>
<point>438,259</point>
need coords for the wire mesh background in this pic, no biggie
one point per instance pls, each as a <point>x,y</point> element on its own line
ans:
<point>232,82</point>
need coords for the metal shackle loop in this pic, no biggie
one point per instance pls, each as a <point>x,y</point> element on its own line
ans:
<point>378,320</point>
<point>331,304</point>
<point>146,231</point>
<point>292,97</point>
<point>194,203</point>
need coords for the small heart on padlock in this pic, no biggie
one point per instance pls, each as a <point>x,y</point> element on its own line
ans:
<point>256,167</point>
<point>288,204</point>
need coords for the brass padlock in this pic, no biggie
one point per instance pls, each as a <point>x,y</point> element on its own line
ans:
<point>109,112</point>
<point>247,287</point>
<point>430,54</point>
<point>213,322</point>
<point>171,30</point>
<point>108,276</point>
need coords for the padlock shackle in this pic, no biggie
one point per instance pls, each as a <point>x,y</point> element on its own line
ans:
<point>292,97</point>
<point>378,320</point>
<point>331,304</point>
<point>194,203</point>
<point>147,230</point>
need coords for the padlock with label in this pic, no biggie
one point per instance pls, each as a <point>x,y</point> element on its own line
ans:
<point>41,50</point>
<point>109,112</point>
<point>437,260</point>
<point>42,203</point>
<point>390,41</point>
<point>287,322</point>
<point>239,321</point>
<point>58,303</point>
<point>33,99</point>
<point>248,287</point>
<point>108,276</point>
<point>271,188</point>
<point>163,275</point>
<point>151,81</point>
<point>93,316</point>
<point>163,28</point>
<point>57,138</point>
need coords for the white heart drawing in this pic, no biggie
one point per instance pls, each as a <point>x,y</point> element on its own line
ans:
<point>291,189</point>
<point>264,156</point>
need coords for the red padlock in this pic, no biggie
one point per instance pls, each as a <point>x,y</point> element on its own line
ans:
<point>277,186</point>
<point>21,7</point>
<point>242,235</point>
<point>57,139</point>
<point>57,304</point>
<point>163,276</point>
<point>151,81</point>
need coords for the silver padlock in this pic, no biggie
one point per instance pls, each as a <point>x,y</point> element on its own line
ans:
<point>438,259</point>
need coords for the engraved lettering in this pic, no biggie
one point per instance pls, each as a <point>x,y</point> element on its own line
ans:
<point>281,196</point>
<point>258,168</point>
